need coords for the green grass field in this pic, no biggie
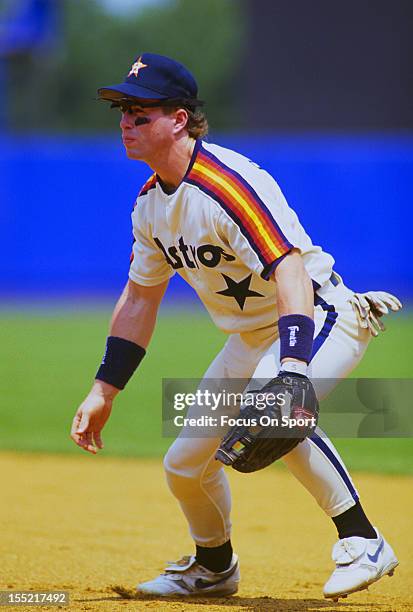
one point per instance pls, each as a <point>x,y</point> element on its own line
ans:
<point>49,360</point>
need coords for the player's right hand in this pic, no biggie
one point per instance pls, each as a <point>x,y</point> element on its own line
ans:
<point>91,417</point>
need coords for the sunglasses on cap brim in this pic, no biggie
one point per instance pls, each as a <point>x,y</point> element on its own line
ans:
<point>126,104</point>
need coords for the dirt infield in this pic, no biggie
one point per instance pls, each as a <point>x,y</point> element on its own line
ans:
<point>87,524</point>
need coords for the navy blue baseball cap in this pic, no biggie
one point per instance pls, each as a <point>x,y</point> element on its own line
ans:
<point>155,77</point>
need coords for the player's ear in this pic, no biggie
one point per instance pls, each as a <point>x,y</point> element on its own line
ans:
<point>181,119</point>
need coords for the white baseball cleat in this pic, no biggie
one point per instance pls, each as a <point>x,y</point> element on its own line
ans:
<point>359,563</point>
<point>187,578</point>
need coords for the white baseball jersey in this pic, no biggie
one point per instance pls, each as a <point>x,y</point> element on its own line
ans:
<point>224,230</point>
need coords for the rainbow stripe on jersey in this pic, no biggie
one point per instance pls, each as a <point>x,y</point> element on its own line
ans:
<point>150,184</point>
<point>242,204</point>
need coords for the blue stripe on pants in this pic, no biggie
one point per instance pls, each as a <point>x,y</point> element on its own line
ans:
<point>336,462</point>
<point>319,340</point>
<point>329,323</point>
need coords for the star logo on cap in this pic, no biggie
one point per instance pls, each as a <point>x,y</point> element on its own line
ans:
<point>136,67</point>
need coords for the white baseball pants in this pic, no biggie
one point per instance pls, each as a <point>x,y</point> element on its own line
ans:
<point>199,482</point>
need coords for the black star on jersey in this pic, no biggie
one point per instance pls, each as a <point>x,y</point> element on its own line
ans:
<point>240,291</point>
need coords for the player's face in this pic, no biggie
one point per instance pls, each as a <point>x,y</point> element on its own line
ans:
<point>145,131</point>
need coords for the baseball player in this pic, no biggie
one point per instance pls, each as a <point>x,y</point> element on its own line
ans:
<point>223,224</point>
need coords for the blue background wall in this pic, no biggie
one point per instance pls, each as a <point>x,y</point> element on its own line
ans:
<point>66,203</point>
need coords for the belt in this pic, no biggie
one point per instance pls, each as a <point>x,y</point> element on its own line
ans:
<point>335,279</point>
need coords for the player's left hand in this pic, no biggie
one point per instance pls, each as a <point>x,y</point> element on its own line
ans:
<point>371,306</point>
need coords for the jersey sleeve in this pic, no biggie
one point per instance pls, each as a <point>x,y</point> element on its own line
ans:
<point>258,229</point>
<point>148,266</point>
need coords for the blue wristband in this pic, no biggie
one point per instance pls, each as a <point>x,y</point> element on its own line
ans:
<point>121,359</point>
<point>296,337</point>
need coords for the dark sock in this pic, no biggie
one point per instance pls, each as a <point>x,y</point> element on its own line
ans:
<point>217,559</point>
<point>354,522</point>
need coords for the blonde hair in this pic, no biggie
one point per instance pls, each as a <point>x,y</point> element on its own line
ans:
<point>197,125</point>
